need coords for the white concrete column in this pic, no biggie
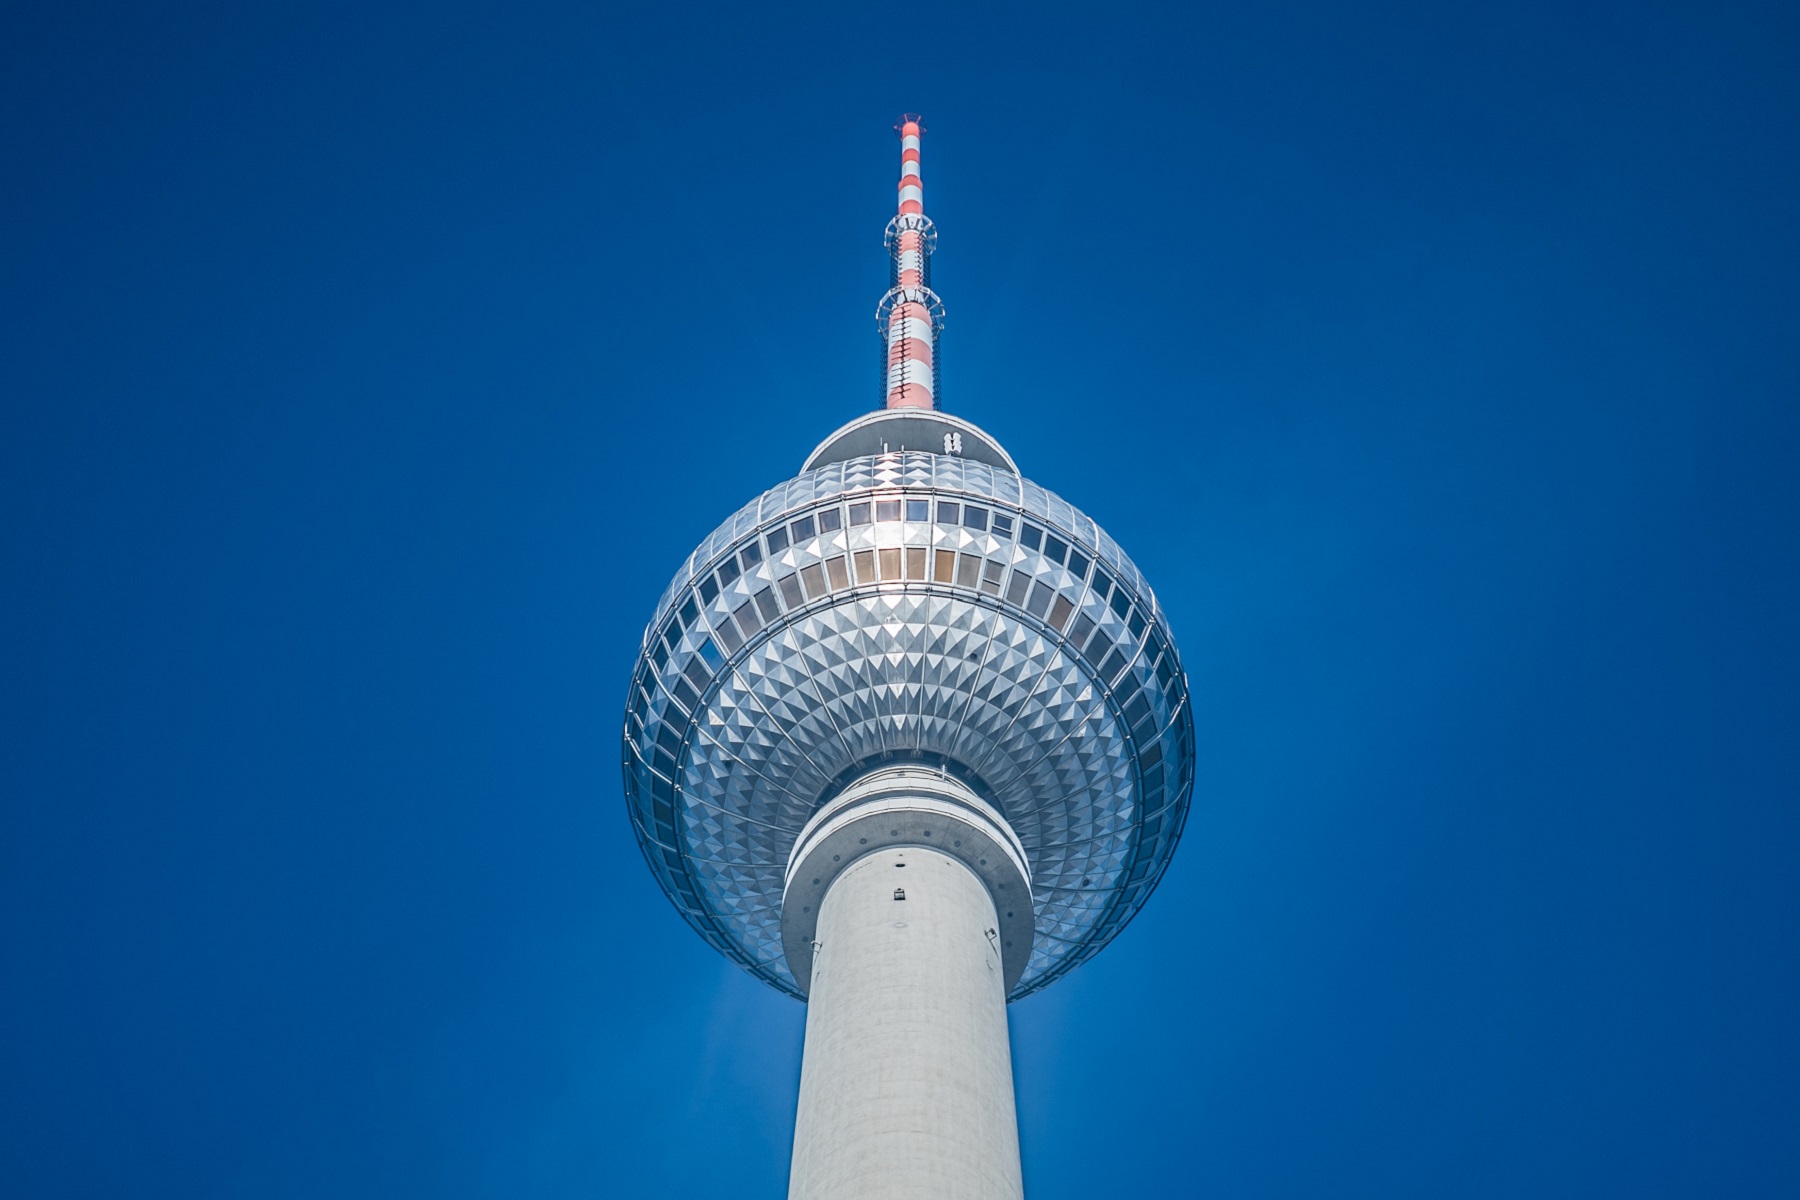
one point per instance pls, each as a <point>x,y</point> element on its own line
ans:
<point>906,1086</point>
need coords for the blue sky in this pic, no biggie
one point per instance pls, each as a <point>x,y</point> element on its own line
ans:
<point>368,370</point>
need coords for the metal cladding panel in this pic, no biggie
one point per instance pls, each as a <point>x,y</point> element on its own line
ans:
<point>908,607</point>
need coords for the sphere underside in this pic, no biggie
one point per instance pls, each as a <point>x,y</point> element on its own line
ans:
<point>920,608</point>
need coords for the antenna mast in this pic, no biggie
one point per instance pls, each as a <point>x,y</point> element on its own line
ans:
<point>910,316</point>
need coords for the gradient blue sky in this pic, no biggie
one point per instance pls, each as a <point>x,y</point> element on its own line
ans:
<point>368,369</point>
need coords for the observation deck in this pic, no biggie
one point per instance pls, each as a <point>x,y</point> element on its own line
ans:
<point>924,608</point>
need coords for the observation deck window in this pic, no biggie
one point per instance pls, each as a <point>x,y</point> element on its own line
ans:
<point>1015,591</point>
<point>813,576</point>
<point>1056,550</point>
<point>968,571</point>
<point>831,520</point>
<point>918,510</point>
<point>837,570</point>
<point>1078,563</point>
<point>751,555</point>
<point>728,572</point>
<point>949,512</point>
<point>943,568</point>
<point>990,576</point>
<point>709,590</point>
<point>859,513</point>
<point>777,540</point>
<point>975,518</point>
<point>747,619</point>
<point>887,510</point>
<point>1002,525</point>
<point>1032,537</point>
<point>890,563</point>
<point>865,566</point>
<point>790,590</point>
<point>803,529</point>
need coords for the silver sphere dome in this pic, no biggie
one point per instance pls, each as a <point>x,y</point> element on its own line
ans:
<point>905,607</point>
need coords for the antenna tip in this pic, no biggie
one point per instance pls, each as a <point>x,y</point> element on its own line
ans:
<point>910,125</point>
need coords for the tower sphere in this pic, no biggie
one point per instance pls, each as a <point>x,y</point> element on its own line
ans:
<point>908,604</point>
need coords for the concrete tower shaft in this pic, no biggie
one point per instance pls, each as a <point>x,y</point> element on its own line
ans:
<point>908,913</point>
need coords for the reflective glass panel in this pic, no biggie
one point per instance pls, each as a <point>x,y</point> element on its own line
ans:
<point>859,513</point>
<point>777,541</point>
<point>974,518</point>
<point>803,529</point>
<point>949,512</point>
<point>887,510</point>
<point>831,519</point>
<point>918,510</point>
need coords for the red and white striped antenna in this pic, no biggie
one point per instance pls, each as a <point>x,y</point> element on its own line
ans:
<point>911,316</point>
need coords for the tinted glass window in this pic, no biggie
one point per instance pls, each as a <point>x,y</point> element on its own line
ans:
<point>728,572</point>
<point>865,566</point>
<point>751,555</point>
<point>915,562</point>
<point>790,590</point>
<point>765,600</point>
<point>1059,612</point>
<point>1015,591</point>
<point>803,529</point>
<point>689,610</point>
<point>943,566</point>
<point>968,570</point>
<point>890,563</point>
<point>1078,563</point>
<point>838,572</point>
<point>859,513</point>
<point>1040,600</point>
<point>830,519</point>
<point>990,576</point>
<point>709,590</point>
<point>814,577</point>
<point>1002,525</point>
<point>1032,536</point>
<point>747,619</point>
<point>1121,603</point>
<point>949,513</point>
<point>1055,549</point>
<point>887,510</point>
<point>918,510</point>
<point>711,654</point>
<point>777,541</point>
<point>975,518</point>
<point>1102,583</point>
